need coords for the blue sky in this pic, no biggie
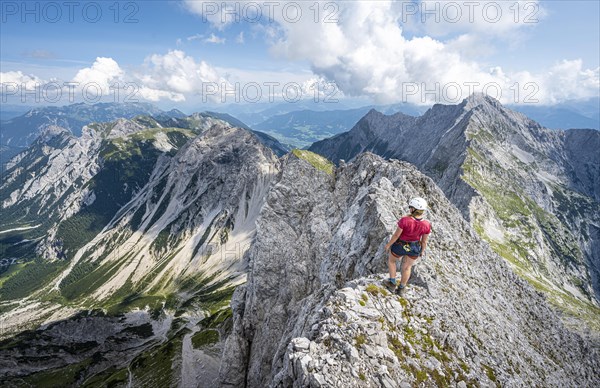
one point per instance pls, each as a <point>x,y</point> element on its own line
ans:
<point>557,49</point>
<point>152,27</point>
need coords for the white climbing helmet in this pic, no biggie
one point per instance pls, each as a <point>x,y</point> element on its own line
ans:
<point>418,203</point>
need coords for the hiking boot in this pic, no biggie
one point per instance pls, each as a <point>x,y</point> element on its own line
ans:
<point>389,285</point>
<point>401,290</point>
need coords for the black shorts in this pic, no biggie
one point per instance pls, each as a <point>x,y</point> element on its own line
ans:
<point>406,248</point>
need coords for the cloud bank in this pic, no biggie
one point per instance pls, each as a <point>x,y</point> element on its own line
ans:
<point>390,51</point>
<point>364,47</point>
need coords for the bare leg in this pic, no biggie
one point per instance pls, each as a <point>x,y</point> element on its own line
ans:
<point>392,265</point>
<point>407,264</point>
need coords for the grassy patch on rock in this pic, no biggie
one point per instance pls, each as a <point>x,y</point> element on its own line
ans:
<point>315,160</point>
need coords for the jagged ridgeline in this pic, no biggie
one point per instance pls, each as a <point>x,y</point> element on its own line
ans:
<point>532,193</point>
<point>20,132</point>
<point>140,214</point>
<point>313,314</point>
<point>129,241</point>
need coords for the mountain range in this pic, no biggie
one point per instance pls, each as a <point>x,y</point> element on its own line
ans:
<point>293,124</point>
<point>17,133</point>
<point>301,128</point>
<point>73,117</point>
<point>174,250</point>
<point>131,215</point>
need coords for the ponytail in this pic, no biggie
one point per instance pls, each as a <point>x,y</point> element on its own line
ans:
<point>416,212</point>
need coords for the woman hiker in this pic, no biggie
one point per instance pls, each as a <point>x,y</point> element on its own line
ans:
<point>408,243</point>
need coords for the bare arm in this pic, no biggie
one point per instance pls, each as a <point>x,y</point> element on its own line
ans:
<point>424,243</point>
<point>395,237</point>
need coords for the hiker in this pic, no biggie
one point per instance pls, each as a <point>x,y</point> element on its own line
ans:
<point>407,244</point>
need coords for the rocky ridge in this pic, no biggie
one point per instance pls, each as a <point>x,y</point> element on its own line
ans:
<point>311,313</point>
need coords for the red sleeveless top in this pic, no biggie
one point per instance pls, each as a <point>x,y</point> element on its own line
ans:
<point>413,229</point>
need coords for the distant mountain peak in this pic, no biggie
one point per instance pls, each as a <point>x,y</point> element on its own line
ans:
<point>478,99</point>
<point>374,114</point>
<point>176,113</point>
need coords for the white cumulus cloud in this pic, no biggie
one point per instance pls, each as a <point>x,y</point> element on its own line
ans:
<point>367,53</point>
<point>173,76</point>
<point>19,80</point>
<point>157,95</point>
<point>178,73</point>
<point>363,47</point>
<point>104,72</point>
<point>566,80</point>
<point>487,17</point>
